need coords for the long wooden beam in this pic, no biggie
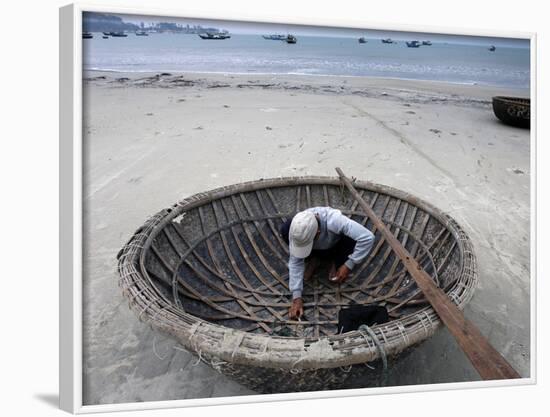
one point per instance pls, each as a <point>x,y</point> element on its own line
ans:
<point>488,362</point>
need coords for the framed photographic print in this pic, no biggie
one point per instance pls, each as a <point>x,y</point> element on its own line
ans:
<point>267,209</point>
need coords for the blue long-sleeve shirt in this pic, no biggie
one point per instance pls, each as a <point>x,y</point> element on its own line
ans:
<point>333,224</point>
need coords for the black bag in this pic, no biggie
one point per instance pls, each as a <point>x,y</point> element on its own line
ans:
<point>352,317</point>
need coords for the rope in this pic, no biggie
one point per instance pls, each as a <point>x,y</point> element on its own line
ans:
<point>454,298</point>
<point>237,344</point>
<point>429,318</point>
<point>383,334</point>
<point>346,369</point>
<point>149,304</point>
<point>194,329</point>
<point>199,360</point>
<point>419,317</point>
<point>366,329</point>
<point>403,332</point>
<point>217,365</point>
<point>180,349</point>
<point>199,353</point>
<point>155,350</point>
<point>264,351</point>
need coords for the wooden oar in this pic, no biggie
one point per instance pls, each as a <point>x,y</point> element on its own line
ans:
<point>486,360</point>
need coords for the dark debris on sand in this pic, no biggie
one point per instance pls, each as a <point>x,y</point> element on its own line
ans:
<point>168,80</point>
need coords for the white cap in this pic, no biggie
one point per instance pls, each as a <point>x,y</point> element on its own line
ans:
<point>302,233</point>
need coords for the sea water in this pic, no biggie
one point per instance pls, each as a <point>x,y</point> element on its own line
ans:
<point>456,62</point>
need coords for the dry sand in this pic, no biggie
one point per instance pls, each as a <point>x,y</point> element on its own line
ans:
<point>151,140</point>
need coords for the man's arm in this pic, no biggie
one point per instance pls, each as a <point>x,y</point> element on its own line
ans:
<point>296,268</point>
<point>364,239</point>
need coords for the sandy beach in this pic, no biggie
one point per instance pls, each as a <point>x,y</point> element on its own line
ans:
<point>153,139</point>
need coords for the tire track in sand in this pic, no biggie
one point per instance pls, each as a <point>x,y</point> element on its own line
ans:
<point>406,142</point>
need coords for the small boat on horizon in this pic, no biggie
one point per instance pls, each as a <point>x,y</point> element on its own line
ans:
<point>492,48</point>
<point>427,43</point>
<point>105,37</point>
<point>413,44</point>
<point>215,36</point>
<point>87,35</point>
<point>118,34</point>
<point>388,40</point>
<point>141,33</point>
<point>362,39</point>
<point>291,39</point>
<point>274,37</point>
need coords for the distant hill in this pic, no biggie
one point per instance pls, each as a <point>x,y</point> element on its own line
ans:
<point>99,22</point>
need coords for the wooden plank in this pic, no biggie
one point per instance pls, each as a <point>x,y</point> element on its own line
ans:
<point>488,362</point>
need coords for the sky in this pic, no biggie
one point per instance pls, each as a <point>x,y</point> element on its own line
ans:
<point>235,27</point>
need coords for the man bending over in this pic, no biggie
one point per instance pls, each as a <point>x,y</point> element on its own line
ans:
<point>322,233</point>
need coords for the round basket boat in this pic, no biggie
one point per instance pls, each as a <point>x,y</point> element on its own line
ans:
<point>513,111</point>
<point>212,272</point>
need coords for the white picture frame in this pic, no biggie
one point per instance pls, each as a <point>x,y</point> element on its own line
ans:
<point>70,42</point>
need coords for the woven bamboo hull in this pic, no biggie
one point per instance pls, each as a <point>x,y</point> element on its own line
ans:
<point>212,272</point>
<point>513,110</point>
<point>272,381</point>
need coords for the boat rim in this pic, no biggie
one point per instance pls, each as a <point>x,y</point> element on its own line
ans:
<point>526,101</point>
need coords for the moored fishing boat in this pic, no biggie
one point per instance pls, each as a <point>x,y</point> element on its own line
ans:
<point>274,37</point>
<point>211,271</point>
<point>413,44</point>
<point>214,36</point>
<point>291,39</point>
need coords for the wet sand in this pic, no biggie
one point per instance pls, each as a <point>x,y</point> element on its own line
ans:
<point>151,139</point>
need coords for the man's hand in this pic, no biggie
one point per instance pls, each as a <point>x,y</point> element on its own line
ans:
<point>296,309</point>
<point>342,274</point>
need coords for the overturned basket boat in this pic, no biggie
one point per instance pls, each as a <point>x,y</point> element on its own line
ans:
<point>513,111</point>
<point>212,272</point>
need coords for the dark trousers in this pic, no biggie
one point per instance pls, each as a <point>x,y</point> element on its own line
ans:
<point>339,253</point>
